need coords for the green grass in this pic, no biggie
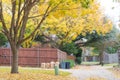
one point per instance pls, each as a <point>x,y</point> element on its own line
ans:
<point>90,63</point>
<point>96,63</point>
<point>113,64</point>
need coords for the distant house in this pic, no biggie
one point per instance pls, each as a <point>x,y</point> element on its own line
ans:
<point>87,55</point>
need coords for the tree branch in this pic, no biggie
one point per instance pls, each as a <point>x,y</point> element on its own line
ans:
<point>13,17</point>
<point>24,19</point>
<point>41,21</point>
<point>47,12</point>
<point>2,18</point>
<point>23,24</point>
<point>50,10</point>
<point>18,13</point>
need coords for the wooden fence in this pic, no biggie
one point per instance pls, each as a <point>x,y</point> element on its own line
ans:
<point>119,56</point>
<point>32,56</point>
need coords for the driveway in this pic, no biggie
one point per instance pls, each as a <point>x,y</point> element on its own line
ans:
<point>85,72</point>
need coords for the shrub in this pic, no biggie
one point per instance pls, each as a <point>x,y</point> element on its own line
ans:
<point>111,50</point>
<point>70,48</point>
<point>78,60</point>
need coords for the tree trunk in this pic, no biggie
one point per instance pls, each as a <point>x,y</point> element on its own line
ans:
<point>101,58</point>
<point>14,66</point>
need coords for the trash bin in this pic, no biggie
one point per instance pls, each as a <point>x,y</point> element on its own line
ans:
<point>67,65</point>
<point>62,65</point>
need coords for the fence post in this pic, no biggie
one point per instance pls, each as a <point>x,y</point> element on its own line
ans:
<point>10,56</point>
<point>38,52</point>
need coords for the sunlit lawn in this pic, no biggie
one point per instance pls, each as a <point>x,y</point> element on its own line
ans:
<point>97,63</point>
<point>90,63</point>
<point>113,64</point>
<point>33,74</point>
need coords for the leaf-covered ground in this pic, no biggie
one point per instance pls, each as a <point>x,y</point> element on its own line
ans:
<point>95,78</point>
<point>116,72</point>
<point>33,74</point>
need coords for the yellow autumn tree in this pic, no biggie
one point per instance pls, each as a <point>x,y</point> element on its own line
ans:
<point>17,16</point>
<point>80,20</point>
<point>62,13</point>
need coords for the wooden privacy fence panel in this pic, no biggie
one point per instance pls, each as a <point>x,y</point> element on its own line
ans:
<point>119,56</point>
<point>70,57</point>
<point>5,57</point>
<point>28,57</point>
<point>61,55</point>
<point>32,56</point>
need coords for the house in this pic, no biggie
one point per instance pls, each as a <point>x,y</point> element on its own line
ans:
<point>88,55</point>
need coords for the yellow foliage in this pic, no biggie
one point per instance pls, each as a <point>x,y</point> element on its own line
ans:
<point>67,27</point>
<point>66,18</point>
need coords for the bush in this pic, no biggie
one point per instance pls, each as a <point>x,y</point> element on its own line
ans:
<point>3,40</point>
<point>78,60</point>
<point>111,50</point>
<point>70,48</point>
<point>72,63</point>
<point>79,54</point>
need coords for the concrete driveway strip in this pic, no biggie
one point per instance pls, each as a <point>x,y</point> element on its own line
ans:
<point>92,71</point>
